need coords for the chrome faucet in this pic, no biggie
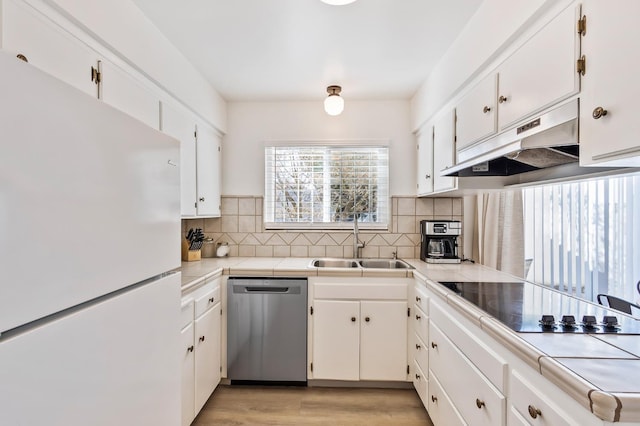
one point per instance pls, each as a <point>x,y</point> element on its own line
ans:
<point>356,243</point>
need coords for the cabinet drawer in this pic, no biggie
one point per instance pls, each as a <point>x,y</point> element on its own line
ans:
<point>420,383</point>
<point>420,323</point>
<point>485,359</point>
<point>372,289</point>
<point>421,298</point>
<point>470,391</point>
<point>420,353</point>
<point>207,296</point>
<point>186,313</point>
<point>532,405</point>
<point>439,405</point>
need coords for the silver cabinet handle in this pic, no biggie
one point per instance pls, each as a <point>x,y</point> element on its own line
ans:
<point>502,99</point>
<point>598,113</point>
<point>201,199</point>
<point>486,109</point>
<point>427,176</point>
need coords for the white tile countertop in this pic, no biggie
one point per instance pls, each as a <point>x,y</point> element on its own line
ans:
<point>565,360</point>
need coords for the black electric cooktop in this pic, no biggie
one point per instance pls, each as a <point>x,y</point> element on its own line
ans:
<point>529,308</point>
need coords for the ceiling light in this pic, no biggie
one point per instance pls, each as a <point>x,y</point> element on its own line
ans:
<point>334,104</point>
<point>337,2</point>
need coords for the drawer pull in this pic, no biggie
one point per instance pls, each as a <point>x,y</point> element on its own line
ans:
<point>534,412</point>
<point>479,403</point>
<point>418,347</point>
<point>486,109</point>
<point>190,348</point>
<point>201,338</point>
<point>599,112</point>
<point>418,317</point>
<point>418,376</point>
<point>434,399</point>
<point>211,299</point>
<point>353,319</point>
<point>418,299</point>
<point>367,319</point>
<point>502,99</point>
<point>434,345</point>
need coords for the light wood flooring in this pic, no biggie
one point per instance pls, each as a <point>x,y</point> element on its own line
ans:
<point>258,405</point>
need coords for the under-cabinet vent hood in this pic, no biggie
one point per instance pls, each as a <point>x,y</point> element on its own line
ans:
<point>548,140</point>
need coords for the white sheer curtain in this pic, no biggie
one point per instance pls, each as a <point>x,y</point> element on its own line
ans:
<point>499,236</point>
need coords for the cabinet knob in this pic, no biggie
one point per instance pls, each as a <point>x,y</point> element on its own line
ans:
<point>201,199</point>
<point>598,113</point>
<point>479,403</point>
<point>190,348</point>
<point>434,345</point>
<point>418,346</point>
<point>418,299</point>
<point>427,176</point>
<point>22,57</point>
<point>211,299</point>
<point>353,319</point>
<point>418,317</point>
<point>367,319</point>
<point>201,338</point>
<point>417,376</point>
<point>434,399</point>
<point>486,109</point>
<point>502,99</point>
<point>534,412</point>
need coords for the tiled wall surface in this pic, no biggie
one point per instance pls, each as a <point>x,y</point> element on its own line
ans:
<point>241,227</point>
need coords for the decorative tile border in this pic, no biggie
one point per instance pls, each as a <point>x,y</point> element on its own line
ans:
<point>241,226</point>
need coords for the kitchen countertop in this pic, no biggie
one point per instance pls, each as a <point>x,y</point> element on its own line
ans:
<point>566,361</point>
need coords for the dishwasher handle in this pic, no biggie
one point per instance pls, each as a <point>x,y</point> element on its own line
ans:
<point>264,289</point>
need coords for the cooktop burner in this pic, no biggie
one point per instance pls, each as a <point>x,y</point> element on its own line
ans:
<point>529,308</point>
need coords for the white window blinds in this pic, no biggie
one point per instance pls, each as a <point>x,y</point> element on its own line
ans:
<point>324,186</point>
<point>584,237</point>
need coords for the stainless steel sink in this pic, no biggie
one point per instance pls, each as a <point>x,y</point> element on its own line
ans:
<point>384,264</point>
<point>334,263</point>
<point>360,263</point>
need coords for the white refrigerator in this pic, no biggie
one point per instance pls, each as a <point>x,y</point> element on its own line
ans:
<point>89,234</point>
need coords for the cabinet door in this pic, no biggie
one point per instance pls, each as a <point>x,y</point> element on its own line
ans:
<point>383,340</point>
<point>188,374</point>
<point>47,46</point>
<point>425,160</point>
<point>541,72</point>
<point>534,405</point>
<point>178,124</point>
<point>476,114</point>
<point>336,339</point>
<point>420,383</point>
<point>207,355</point>
<point>122,91</point>
<point>611,83</point>
<point>444,152</point>
<point>208,171</point>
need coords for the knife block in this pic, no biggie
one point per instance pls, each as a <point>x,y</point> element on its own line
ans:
<point>189,255</point>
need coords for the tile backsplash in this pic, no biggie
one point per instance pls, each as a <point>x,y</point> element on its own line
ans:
<point>241,226</point>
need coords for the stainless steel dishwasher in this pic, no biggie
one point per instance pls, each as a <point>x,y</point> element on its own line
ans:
<point>267,330</point>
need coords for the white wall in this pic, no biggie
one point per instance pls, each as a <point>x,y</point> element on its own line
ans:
<point>250,124</point>
<point>496,25</point>
<point>120,25</point>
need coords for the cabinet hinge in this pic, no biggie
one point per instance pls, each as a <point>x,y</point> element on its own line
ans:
<point>407,369</point>
<point>221,369</point>
<point>195,204</point>
<point>311,310</point>
<point>582,25</point>
<point>581,65</point>
<point>219,149</point>
<point>409,312</point>
<point>312,367</point>
<point>418,147</point>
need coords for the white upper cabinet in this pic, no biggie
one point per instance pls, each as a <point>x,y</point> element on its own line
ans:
<point>444,151</point>
<point>122,91</point>
<point>609,125</point>
<point>542,72</point>
<point>208,162</point>
<point>476,114</point>
<point>26,32</point>
<point>425,160</point>
<point>177,123</point>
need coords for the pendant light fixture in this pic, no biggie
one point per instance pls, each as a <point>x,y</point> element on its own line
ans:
<point>337,2</point>
<point>334,104</point>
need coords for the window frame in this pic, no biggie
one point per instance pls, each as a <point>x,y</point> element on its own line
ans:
<point>329,226</point>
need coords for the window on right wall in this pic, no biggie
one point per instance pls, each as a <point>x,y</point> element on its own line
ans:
<point>583,237</point>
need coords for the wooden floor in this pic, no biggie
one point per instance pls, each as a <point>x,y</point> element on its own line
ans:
<point>256,405</point>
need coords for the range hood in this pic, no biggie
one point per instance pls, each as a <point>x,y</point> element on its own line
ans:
<point>548,140</point>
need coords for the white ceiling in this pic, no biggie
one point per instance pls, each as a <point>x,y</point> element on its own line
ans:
<point>293,49</point>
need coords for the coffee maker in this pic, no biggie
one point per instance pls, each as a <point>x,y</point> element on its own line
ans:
<point>439,241</point>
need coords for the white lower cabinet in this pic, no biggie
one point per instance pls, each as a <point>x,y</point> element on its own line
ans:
<point>532,405</point>
<point>353,338</point>
<point>201,347</point>
<point>439,405</point>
